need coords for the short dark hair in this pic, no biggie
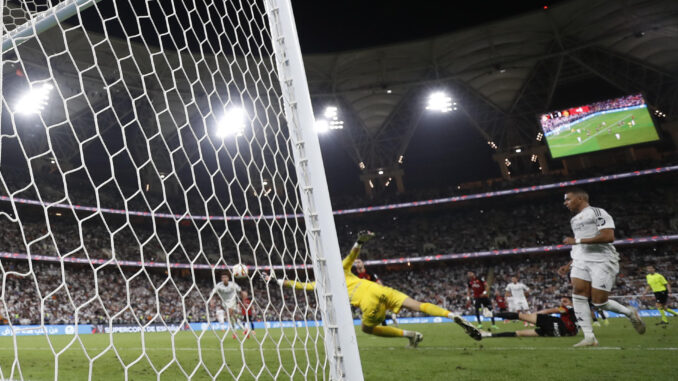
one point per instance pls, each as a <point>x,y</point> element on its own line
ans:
<point>578,192</point>
<point>225,273</point>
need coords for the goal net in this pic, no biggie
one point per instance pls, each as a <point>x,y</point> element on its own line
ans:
<point>147,148</point>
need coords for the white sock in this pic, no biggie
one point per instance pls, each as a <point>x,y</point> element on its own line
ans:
<point>583,313</point>
<point>614,306</point>
<point>407,333</point>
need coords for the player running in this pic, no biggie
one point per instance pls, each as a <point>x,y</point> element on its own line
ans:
<point>546,325</point>
<point>481,300</point>
<point>661,289</point>
<point>518,292</point>
<point>594,265</point>
<point>228,292</point>
<point>374,300</point>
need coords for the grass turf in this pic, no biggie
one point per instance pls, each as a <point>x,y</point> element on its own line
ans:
<point>446,353</point>
<point>604,137</point>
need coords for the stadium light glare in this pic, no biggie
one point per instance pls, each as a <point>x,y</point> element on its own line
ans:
<point>330,112</point>
<point>519,150</point>
<point>232,123</point>
<point>34,101</point>
<point>329,121</point>
<point>533,158</point>
<point>361,165</point>
<point>381,172</point>
<point>439,101</point>
<point>540,136</point>
<point>400,159</point>
<point>322,126</point>
<point>389,91</point>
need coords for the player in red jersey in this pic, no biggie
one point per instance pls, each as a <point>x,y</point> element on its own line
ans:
<point>546,325</point>
<point>247,310</point>
<point>481,293</point>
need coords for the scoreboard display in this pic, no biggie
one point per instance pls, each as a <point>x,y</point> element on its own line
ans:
<point>597,126</point>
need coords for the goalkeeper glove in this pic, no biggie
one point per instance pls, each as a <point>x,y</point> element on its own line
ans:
<point>364,236</point>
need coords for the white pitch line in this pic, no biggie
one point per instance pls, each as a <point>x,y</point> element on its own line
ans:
<point>424,348</point>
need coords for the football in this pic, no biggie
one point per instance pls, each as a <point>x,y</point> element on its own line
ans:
<point>239,271</point>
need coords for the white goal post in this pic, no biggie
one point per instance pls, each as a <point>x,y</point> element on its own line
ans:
<point>147,147</point>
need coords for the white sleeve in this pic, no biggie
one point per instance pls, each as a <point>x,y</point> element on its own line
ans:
<point>508,287</point>
<point>603,219</point>
<point>237,287</point>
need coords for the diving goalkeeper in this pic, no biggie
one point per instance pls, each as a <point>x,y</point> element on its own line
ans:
<point>374,300</point>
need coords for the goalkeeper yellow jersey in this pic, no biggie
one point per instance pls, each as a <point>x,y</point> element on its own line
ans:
<point>356,287</point>
<point>657,282</point>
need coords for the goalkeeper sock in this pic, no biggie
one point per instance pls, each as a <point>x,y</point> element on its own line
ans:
<point>672,312</point>
<point>433,310</point>
<point>507,315</point>
<point>661,312</point>
<point>583,313</point>
<point>388,331</point>
<point>614,306</point>
<point>504,334</point>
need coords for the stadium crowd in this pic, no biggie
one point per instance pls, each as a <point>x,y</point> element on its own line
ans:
<point>498,223</point>
<point>135,296</point>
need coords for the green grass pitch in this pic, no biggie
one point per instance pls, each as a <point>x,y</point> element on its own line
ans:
<point>596,136</point>
<point>445,354</point>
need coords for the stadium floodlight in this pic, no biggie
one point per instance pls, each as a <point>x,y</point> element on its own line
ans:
<point>439,101</point>
<point>533,158</point>
<point>362,165</point>
<point>330,120</point>
<point>400,159</point>
<point>34,101</point>
<point>381,172</point>
<point>232,123</point>
<point>519,150</point>
<point>322,126</point>
<point>330,113</point>
<point>540,136</point>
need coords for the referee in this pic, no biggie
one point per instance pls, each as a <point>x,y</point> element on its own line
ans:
<point>661,289</point>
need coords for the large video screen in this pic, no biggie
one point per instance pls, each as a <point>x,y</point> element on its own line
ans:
<point>598,126</point>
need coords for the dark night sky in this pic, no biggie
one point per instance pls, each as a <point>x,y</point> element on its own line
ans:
<point>445,150</point>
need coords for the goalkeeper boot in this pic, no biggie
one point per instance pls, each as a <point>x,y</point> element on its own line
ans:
<point>416,339</point>
<point>468,328</point>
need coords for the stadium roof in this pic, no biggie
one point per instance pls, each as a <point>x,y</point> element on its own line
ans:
<point>502,73</point>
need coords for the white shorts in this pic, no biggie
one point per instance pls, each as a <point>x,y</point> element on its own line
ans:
<point>229,305</point>
<point>602,275</point>
<point>221,315</point>
<point>519,305</point>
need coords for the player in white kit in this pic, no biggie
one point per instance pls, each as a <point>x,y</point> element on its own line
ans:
<point>516,291</point>
<point>594,265</point>
<point>227,293</point>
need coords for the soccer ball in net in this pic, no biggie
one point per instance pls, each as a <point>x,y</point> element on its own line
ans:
<point>239,271</point>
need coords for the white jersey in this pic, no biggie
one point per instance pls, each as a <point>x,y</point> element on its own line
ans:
<point>227,293</point>
<point>587,224</point>
<point>517,291</point>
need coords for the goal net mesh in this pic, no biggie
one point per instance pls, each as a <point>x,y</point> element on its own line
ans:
<point>144,151</point>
